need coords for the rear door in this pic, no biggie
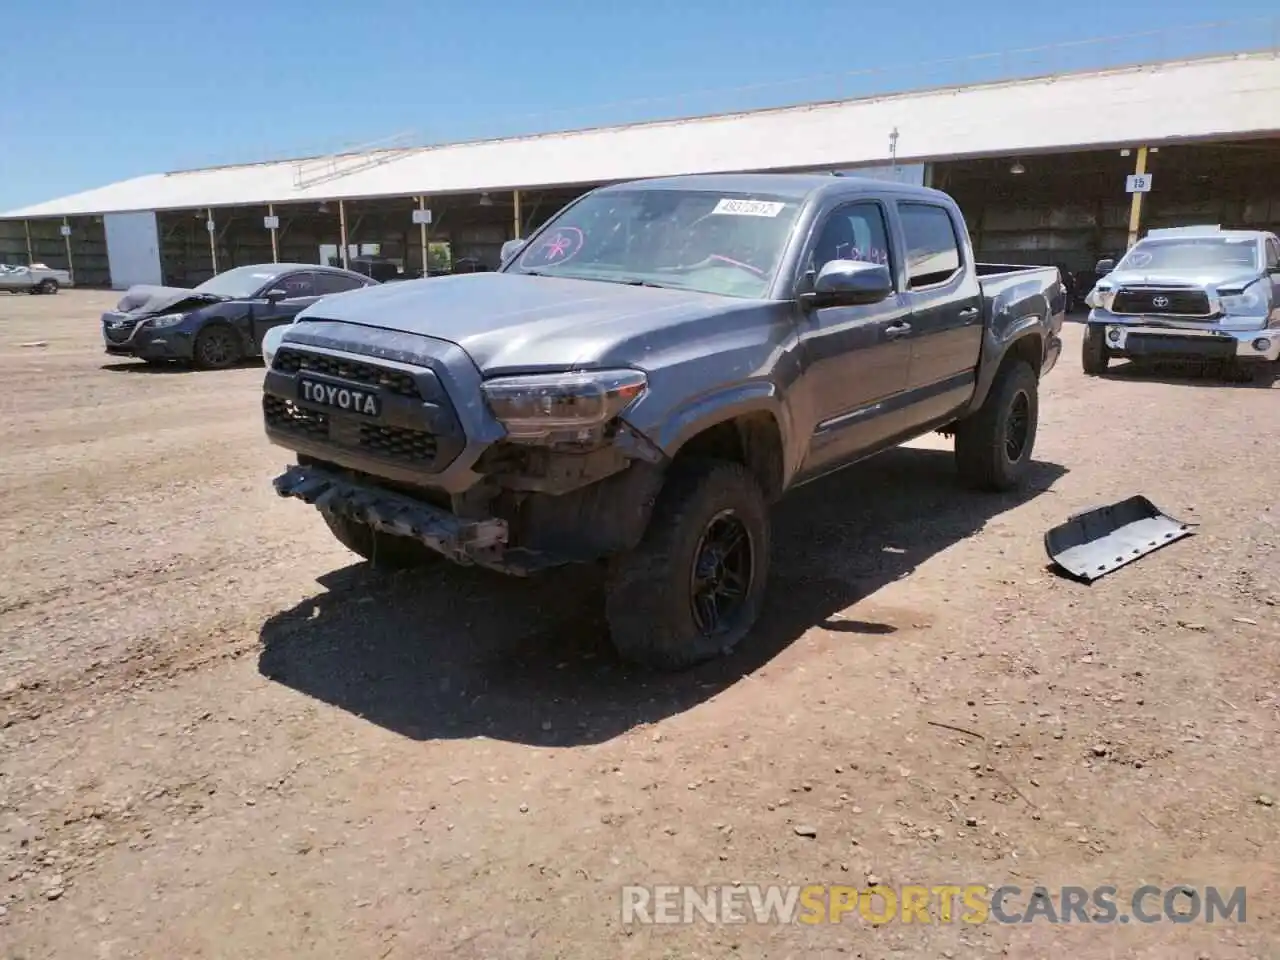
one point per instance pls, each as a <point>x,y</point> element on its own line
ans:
<point>300,291</point>
<point>946,308</point>
<point>854,357</point>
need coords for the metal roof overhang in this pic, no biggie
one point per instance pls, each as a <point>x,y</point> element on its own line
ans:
<point>1231,97</point>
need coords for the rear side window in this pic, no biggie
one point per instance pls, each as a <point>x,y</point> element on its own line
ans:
<point>1273,254</point>
<point>327,283</point>
<point>933,252</point>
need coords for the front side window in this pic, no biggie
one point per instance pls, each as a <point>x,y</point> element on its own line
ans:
<point>1273,255</point>
<point>712,242</point>
<point>297,285</point>
<point>1191,253</point>
<point>855,231</point>
<point>933,252</point>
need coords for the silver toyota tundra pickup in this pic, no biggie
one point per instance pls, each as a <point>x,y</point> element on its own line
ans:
<point>1188,293</point>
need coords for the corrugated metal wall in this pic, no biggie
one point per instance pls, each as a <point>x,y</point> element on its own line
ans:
<point>88,247</point>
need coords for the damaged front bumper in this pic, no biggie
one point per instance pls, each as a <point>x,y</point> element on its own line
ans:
<point>466,542</point>
<point>1146,338</point>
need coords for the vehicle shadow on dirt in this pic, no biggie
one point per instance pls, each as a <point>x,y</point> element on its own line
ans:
<point>451,653</point>
<point>1194,374</point>
<point>172,366</point>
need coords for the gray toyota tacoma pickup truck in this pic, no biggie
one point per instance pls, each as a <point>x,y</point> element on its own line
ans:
<point>646,373</point>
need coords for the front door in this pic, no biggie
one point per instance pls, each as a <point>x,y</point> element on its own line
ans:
<point>855,358</point>
<point>946,311</point>
<point>300,291</point>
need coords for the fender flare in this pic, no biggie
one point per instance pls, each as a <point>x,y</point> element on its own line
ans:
<point>719,406</point>
<point>996,350</point>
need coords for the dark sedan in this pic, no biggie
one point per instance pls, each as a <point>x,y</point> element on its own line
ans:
<point>224,319</point>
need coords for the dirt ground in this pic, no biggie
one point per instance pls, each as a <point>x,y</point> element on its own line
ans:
<point>223,737</point>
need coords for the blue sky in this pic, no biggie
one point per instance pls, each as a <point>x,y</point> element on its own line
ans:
<point>100,90</point>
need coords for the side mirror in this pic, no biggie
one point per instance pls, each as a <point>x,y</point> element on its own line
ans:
<point>510,249</point>
<point>849,283</point>
<point>1104,267</point>
<point>275,295</point>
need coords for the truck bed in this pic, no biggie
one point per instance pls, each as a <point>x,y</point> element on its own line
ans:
<point>1012,292</point>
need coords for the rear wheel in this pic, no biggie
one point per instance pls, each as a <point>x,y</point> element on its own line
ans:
<point>1093,353</point>
<point>49,286</point>
<point>994,444</point>
<point>217,347</point>
<point>694,586</point>
<point>379,548</point>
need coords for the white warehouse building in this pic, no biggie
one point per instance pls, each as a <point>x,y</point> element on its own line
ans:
<point>1039,166</point>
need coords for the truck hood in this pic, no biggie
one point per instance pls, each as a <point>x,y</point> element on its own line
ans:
<point>145,300</point>
<point>509,322</point>
<point>1200,277</point>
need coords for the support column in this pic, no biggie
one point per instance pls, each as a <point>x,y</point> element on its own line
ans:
<point>213,239</point>
<point>1135,205</point>
<point>66,236</point>
<point>515,234</point>
<point>31,257</point>
<point>275,241</point>
<point>342,226</point>
<point>422,232</point>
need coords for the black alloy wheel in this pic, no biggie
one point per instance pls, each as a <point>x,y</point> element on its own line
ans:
<point>722,574</point>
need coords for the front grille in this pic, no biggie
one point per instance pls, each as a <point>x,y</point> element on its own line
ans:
<point>395,381</point>
<point>120,334</point>
<point>1172,303</point>
<point>398,443</point>
<point>390,443</point>
<point>284,415</point>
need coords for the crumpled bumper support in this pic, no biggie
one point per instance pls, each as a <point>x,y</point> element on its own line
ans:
<point>479,542</point>
<point>1092,544</point>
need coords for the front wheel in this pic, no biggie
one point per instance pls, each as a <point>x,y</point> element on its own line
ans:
<point>994,444</point>
<point>1093,352</point>
<point>217,347</point>
<point>378,547</point>
<point>694,586</point>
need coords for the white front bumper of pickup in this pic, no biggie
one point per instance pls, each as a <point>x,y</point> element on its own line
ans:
<point>1249,344</point>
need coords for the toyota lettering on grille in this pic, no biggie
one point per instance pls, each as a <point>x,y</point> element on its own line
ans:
<point>1161,302</point>
<point>346,399</point>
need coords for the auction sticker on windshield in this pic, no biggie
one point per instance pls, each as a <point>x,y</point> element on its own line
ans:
<point>749,208</point>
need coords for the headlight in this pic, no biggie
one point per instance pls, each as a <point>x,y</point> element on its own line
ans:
<point>1097,297</point>
<point>168,320</point>
<point>1248,302</point>
<point>271,343</point>
<point>562,406</point>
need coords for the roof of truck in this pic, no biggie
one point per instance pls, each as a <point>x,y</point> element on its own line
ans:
<point>794,186</point>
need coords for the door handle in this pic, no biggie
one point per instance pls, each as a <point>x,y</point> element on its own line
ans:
<point>968,313</point>
<point>896,330</point>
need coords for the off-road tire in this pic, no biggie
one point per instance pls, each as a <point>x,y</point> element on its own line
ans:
<point>49,286</point>
<point>217,347</point>
<point>983,457</point>
<point>1093,352</point>
<point>378,547</point>
<point>649,600</point>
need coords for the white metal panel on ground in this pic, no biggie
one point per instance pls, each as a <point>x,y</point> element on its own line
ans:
<point>1217,98</point>
<point>133,249</point>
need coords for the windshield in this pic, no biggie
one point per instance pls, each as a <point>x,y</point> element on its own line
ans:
<point>1191,253</point>
<point>237,283</point>
<point>684,239</point>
